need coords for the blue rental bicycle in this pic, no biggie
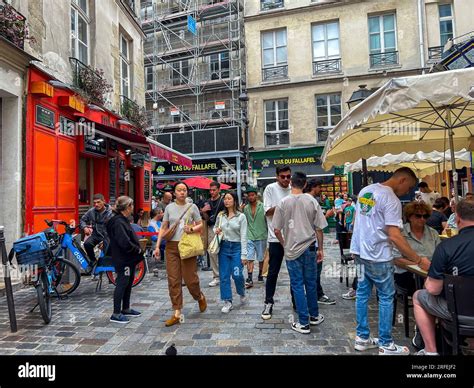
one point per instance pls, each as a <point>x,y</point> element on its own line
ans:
<point>98,268</point>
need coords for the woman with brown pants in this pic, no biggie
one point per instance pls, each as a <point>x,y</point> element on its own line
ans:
<point>176,268</point>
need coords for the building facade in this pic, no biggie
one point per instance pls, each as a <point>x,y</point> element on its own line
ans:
<point>308,57</point>
<point>82,115</point>
<point>195,73</point>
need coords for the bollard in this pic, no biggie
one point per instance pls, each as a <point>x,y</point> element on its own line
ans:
<point>8,282</point>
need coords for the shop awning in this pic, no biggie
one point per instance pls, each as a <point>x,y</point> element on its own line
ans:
<point>311,171</point>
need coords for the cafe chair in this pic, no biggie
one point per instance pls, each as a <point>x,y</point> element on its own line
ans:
<point>458,291</point>
<point>344,240</point>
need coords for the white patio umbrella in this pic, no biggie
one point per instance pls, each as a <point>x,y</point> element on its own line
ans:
<point>422,163</point>
<point>432,112</point>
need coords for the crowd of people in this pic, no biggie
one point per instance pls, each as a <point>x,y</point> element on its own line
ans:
<point>286,224</point>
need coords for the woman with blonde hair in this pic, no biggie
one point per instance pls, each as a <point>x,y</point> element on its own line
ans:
<point>188,220</point>
<point>144,220</point>
<point>126,254</point>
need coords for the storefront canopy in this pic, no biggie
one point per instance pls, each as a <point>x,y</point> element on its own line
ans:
<point>422,163</point>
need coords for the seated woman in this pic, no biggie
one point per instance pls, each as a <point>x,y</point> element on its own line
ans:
<point>420,237</point>
<point>438,220</point>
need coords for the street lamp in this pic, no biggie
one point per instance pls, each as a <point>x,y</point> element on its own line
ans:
<point>244,98</point>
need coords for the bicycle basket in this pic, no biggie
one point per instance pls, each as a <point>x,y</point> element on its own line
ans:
<point>32,250</point>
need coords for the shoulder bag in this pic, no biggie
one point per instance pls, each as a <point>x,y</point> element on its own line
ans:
<point>190,244</point>
<point>215,244</point>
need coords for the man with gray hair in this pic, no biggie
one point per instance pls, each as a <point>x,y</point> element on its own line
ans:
<point>453,256</point>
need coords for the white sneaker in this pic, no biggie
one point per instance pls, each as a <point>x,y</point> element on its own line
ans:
<point>243,299</point>
<point>423,352</point>
<point>349,295</point>
<point>227,307</point>
<point>393,349</point>
<point>296,326</point>
<point>365,344</point>
<point>214,282</point>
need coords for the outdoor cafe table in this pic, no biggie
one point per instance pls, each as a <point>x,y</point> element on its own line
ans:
<point>420,274</point>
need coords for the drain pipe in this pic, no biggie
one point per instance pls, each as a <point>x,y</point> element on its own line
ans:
<point>421,8</point>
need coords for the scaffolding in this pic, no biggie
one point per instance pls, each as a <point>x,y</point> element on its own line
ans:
<point>193,78</point>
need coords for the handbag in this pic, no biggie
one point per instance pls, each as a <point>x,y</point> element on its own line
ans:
<point>215,244</point>
<point>190,244</point>
<point>168,234</point>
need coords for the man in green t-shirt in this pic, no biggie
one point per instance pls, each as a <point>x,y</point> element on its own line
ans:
<point>256,235</point>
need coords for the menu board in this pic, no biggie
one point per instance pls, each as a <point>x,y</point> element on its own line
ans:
<point>44,117</point>
<point>122,177</point>
<point>146,197</point>
<point>338,185</point>
<point>112,180</point>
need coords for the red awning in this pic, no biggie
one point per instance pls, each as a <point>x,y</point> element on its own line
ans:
<point>161,151</point>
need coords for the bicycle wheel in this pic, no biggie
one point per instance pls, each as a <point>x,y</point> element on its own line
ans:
<point>140,272</point>
<point>66,276</point>
<point>44,297</point>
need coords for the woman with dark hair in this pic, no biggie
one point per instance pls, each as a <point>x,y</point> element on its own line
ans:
<point>126,254</point>
<point>232,225</point>
<point>438,220</point>
<point>188,220</point>
<point>447,207</point>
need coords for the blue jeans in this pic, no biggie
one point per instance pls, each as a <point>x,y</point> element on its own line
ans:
<point>379,275</point>
<point>303,275</point>
<point>230,264</point>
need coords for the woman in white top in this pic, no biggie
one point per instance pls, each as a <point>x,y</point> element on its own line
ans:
<point>232,225</point>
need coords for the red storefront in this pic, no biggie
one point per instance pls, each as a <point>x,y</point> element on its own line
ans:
<point>74,151</point>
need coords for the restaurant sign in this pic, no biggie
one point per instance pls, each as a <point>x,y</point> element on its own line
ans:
<point>199,167</point>
<point>260,164</point>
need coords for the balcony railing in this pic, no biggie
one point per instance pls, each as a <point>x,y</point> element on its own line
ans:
<point>327,66</point>
<point>275,73</point>
<point>266,5</point>
<point>389,58</point>
<point>130,110</point>
<point>434,53</point>
<point>13,25</point>
<point>277,138</point>
<point>91,82</point>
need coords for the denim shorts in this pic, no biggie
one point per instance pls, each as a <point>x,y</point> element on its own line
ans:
<point>256,250</point>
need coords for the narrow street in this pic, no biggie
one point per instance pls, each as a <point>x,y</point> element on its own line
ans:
<point>80,324</point>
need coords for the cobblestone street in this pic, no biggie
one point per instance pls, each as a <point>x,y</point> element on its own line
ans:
<point>80,324</point>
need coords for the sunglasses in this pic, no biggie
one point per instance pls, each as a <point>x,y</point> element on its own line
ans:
<point>419,216</point>
<point>285,176</point>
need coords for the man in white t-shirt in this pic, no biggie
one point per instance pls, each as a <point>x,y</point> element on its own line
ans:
<point>427,195</point>
<point>272,196</point>
<point>377,226</point>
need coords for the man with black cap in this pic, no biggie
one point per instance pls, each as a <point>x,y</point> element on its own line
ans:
<point>256,234</point>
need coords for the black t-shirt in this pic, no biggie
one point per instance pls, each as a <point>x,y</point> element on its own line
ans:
<point>454,256</point>
<point>436,221</point>
<point>216,207</point>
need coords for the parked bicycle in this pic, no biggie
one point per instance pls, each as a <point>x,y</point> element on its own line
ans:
<point>98,268</point>
<point>42,269</point>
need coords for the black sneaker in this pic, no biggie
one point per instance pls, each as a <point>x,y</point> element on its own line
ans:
<point>249,283</point>
<point>131,313</point>
<point>324,299</point>
<point>313,321</point>
<point>119,319</point>
<point>267,311</point>
<point>260,279</point>
<point>417,340</point>
<point>296,326</point>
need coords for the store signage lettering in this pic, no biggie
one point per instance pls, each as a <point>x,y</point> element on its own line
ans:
<point>264,163</point>
<point>44,117</point>
<point>106,121</point>
<point>94,146</point>
<point>206,167</point>
<point>195,167</point>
